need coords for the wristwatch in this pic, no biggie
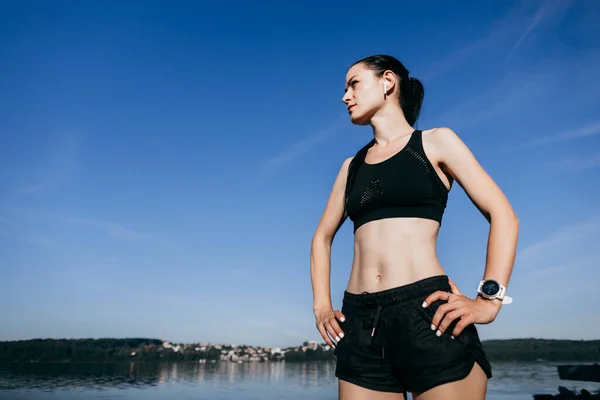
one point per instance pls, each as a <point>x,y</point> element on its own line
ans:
<point>491,289</point>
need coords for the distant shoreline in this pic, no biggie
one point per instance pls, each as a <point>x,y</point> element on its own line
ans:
<point>5,364</point>
<point>109,350</point>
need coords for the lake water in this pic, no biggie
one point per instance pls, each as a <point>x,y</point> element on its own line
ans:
<point>247,381</point>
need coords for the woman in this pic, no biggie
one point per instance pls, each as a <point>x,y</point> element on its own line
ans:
<point>404,325</point>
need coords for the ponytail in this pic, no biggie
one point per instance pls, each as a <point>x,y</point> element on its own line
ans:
<point>411,98</point>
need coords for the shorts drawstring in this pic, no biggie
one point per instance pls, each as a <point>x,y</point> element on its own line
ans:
<point>375,324</point>
<point>377,314</point>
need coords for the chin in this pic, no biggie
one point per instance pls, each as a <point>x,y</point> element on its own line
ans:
<point>359,119</point>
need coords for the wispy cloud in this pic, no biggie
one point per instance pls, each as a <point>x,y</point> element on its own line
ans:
<point>39,239</point>
<point>560,279</point>
<point>577,164</point>
<point>32,238</point>
<point>577,133</point>
<point>119,231</point>
<point>561,291</point>
<point>303,146</point>
<point>535,83</point>
<point>491,103</point>
<point>460,56</point>
<point>546,13</point>
<point>17,232</point>
<point>562,236</point>
<point>500,33</point>
<point>300,147</point>
<point>62,166</point>
<point>552,271</point>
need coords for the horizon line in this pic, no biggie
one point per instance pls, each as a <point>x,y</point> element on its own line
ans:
<point>249,345</point>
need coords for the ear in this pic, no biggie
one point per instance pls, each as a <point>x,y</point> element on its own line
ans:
<point>391,79</point>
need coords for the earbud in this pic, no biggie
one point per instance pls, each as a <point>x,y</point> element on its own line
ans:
<point>384,87</point>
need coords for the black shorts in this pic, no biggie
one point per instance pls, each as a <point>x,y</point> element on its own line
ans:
<point>389,346</point>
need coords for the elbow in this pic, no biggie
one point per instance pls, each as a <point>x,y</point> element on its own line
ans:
<point>512,219</point>
<point>517,223</point>
<point>506,216</point>
<point>320,239</point>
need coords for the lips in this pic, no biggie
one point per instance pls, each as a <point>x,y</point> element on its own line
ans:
<point>350,107</point>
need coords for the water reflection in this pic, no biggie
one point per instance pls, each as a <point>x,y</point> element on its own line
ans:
<point>49,376</point>
<point>246,381</point>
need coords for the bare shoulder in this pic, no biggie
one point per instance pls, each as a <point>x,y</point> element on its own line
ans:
<point>454,156</point>
<point>334,210</point>
<point>347,161</point>
<point>343,171</point>
<point>442,137</point>
<point>459,162</point>
<point>443,144</point>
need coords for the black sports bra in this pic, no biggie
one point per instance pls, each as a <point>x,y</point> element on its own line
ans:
<point>404,185</point>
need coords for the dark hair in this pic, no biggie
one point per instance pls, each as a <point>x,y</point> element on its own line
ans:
<point>411,89</point>
<point>411,99</point>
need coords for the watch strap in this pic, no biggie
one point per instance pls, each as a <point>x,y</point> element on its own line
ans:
<point>501,293</point>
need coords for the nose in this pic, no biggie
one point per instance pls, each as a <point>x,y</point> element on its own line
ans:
<point>346,98</point>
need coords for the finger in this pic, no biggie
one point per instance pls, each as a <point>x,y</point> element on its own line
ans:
<point>331,330</point>
<point>435,296</point>
<point>454,288</point>
<point>336,327</point>
<point>325,336</point>
<point>449,318</point>
<point>440,313</point>
<point>462,324</point>
<point>339,315</point>
<point>452,297</point>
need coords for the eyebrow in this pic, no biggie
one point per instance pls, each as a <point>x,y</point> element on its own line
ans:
<point>348,82</point>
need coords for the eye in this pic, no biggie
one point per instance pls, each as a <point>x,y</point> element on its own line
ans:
<point>353,83</point>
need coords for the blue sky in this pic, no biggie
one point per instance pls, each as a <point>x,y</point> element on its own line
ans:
<point>164,165</point>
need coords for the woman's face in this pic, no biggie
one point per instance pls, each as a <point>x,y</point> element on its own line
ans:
<point>364,94</point>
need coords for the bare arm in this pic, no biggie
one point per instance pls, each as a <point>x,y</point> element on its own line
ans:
<point>458,161</point>
<point>320,261</point>
<point>320,253</point>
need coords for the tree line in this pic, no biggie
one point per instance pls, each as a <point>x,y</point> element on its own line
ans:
<point>140,349</point>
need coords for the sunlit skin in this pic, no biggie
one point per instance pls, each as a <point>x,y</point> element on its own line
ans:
<point>398,251</point>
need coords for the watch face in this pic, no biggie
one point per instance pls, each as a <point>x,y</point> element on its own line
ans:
<point>490,288</point>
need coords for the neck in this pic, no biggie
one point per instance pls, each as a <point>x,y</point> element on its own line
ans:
<point>389,124</point>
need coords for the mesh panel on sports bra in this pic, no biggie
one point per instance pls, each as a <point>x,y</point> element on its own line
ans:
<point>404,185</point>
<point>418,157</point>
<point>372,192</point>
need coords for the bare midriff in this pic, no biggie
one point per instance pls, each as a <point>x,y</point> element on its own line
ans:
<point>393,252</point>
